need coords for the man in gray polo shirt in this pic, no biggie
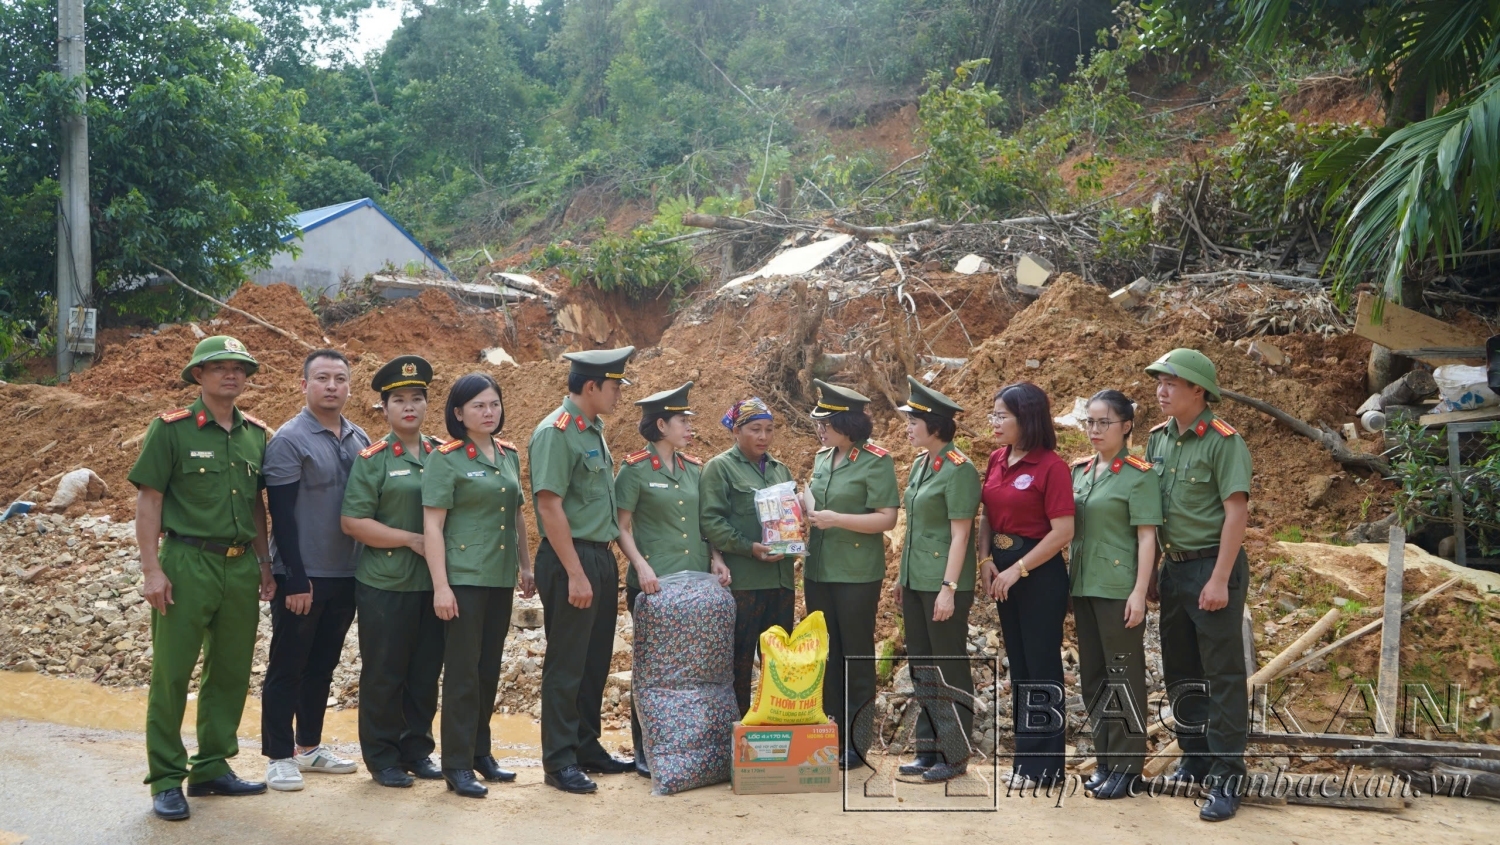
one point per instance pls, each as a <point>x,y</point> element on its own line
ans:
<point>306,469</point>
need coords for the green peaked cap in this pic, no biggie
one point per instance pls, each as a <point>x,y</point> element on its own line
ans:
<point>834,399</point>
<point>668,401</point>
<point>929,401</point>
<point>601,363</point>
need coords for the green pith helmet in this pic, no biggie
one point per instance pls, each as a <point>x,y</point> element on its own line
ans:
<point>928,401</point>
<point>601,363</point>
<point>834,399</point>
<point>674,401</point>
<point>1189,365</point>
<point>220,347</point>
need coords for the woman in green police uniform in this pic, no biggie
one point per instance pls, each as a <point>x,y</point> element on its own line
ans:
<point>400,637</point>
<point>853,500</point>
<point>475,539</point>
<point>1118,503</point>
<point>936,584</point>
<point>765,589</point>
<point>656,494</point>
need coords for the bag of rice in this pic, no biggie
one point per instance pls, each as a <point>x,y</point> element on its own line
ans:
<point>791,675</point>
<point>780,514</point>
<point>682,681</point>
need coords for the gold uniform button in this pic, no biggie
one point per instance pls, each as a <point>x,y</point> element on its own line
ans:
<point>1169,545</point>
<point>1179,443</point>
<point>202,470</point>
<point>934,554</point>
<point>1117,563</point>
<point>682,518</point>
<point>388,554</point>
<point>462,547</point>
<point>679,501</point>
<point>1193,479</point>
<point>1174,470</point>
<point>502,510</point>
<point>502,547</point>
<point>684,535</point>
<point>856,545</point>
<point>234,492</point>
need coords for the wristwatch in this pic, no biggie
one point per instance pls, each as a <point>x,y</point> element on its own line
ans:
<point>263,561</point>
<point>951,584</point>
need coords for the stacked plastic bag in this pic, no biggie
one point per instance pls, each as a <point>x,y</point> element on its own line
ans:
<point>683,681</point>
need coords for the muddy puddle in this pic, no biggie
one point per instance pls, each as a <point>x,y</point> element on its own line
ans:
<point>81,704</point>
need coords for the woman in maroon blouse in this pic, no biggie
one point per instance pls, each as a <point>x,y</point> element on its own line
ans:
<point>1028,521</point>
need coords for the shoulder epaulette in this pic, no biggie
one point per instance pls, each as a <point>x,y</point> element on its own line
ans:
<point>1143,466</point>
<point>255,421</point>
<point>1223,428</point>
<point>373,449</point>
<point>429,442</point>
<point>877,451</point>
<point>1082,461</point>
<point>174,416</point>
<point>561,423</point>
<point>956,457</point>
<point>692,459</point>
<point>637,457</point>
<point>505,444</point>
<point>1161,425</point>
<point>450,446</point>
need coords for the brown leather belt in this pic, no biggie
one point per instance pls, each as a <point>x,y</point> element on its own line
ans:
<point>210,546</point>
<point>1199,554</point>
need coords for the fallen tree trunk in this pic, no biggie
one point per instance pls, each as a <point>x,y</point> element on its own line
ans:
<point>1382,757</point>
<point>1457,783</point>
<point>1330,440</point>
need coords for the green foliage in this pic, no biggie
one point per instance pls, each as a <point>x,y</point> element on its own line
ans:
<point>970,165</point>
<point>638,264</point>
<point>1419,463</point>
<point>189,148</point>
<point>1289,534</point>
<point>324,181</point>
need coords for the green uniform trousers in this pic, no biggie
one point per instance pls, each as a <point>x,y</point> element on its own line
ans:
<point>473,644</point>
<point>1112,662</point>
<point>849,609</point>
<point>949,638</point>
<point>401,657</point>
<point>580,644</point>
<point>1200,648</point>
<point>215,608</point>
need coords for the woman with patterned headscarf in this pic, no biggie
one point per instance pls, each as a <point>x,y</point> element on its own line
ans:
<point>764,589</point>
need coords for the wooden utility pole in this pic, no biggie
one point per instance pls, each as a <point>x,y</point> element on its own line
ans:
<point>75,260</point>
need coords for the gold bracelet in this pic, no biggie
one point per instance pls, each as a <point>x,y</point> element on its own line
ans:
<point>1021,565</point>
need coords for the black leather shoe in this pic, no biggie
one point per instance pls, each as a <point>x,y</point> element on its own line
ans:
<point>423,769</point>
<point>945,771</point>
<point>571,779</point>
<point>641,768</point>
<point>1220,806</point>
<point>1117,785</point>
<point>489,769</point>
<point>464,783</point>
<point>229,784</point>
<point>608,766</point>
<point>918,766</point>
<point>1100,775</point>
<point>850,759</point>
<point>1183,782</point>
<point>170,805</point>
<point>393,776</point>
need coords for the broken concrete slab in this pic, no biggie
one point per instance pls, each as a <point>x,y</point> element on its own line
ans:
<point>1033,272</point>
<point>971,264</point>
<point>497,356</point>
<point>795,262</point>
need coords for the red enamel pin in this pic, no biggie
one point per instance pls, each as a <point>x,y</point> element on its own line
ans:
<point>471,451</point>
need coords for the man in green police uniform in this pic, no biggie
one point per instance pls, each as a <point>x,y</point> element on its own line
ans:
<point>576,574</point>
<point>1204,467</point>
<point>198,480</point>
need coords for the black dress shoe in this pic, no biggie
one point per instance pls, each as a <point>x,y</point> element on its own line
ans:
<point>850,759</point>
<point>641,768</point>
<point>423,769</point>
<point>1220,806</point>
<point>1184,782</point>
<point>489,769</point>
<point>464,783</point>
<point>228,784</point>
<point>571,779</point>
<point>919,766</point>
<point>1118,785</point>
<point>1100,775</point>
<point>945,771</point>
<point>394,776</point>
<point>608,766</point>
<point>170,805</point>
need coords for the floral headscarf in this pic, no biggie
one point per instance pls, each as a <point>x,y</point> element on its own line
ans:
<point>746,411</point>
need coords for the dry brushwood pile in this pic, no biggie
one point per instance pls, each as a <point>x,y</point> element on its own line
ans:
<point>70,581</point>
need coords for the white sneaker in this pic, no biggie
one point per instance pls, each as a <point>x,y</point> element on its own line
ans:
<point>284,776</point>
<point>322,760</point>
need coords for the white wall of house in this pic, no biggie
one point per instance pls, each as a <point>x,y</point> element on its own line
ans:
<point>359,243</point>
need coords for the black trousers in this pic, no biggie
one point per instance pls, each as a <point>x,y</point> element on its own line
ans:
<point>304,651</point>
<point>1031,621</point>
<point>1112,663</point>
<point>637,741</point>
<point>580,644</point>
<point>949,638</point>
<point>1200,647</point>
<point>474,642</point>
<point>849,609</point>
<point>401,657</point>
<point>754,612</point>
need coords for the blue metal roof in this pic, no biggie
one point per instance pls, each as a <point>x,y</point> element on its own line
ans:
<point>306,221</point>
